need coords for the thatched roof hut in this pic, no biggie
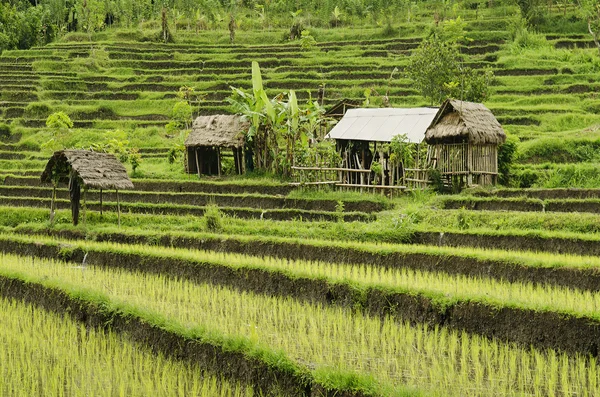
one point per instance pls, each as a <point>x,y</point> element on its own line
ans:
<point>464,122</point>
<point>463,143</point>
<point>88,169</point>
<point>211,134</point>
<point>218,131</point>
<point>96,170</point>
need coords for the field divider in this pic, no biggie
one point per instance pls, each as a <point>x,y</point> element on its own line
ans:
<point>168,209</point>
<point>392,256</point>
<point>236,358</point>
<point>508,322</point>
<point>245,200</point>
<point>591,205</point>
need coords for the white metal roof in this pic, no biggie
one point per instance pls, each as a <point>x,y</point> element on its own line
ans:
<point>383,124</point>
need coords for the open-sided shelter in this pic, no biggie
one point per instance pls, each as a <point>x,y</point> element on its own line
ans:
<point>360,131</point>
<point>88,169</point>
<point>210,136</point>
<point>464,139</point>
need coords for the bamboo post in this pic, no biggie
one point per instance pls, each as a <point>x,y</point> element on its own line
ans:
<point>118,209</point>
<point>85,189</point>
<point>219,161</point>
<point>52,203</point>
<point>197,162</point>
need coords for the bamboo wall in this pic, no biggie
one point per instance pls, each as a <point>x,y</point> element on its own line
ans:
<point>478,162</point>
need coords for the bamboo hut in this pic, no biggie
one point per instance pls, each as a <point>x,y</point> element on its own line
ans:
<point>210,138</point>
<point>463,143</point>
<point>87,169</point>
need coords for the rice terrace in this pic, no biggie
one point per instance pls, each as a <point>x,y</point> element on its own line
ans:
<point>300,198</point>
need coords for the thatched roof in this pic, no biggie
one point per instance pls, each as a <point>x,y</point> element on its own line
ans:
<point>460,121</point>
<point>218,130</point>
<point>96,170</point>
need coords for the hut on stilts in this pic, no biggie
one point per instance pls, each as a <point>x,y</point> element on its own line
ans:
<point>87,169</point>
<point>210,138</point>
<point>463,141</point>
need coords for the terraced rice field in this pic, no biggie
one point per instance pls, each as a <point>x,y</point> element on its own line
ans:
<point>243,287</point>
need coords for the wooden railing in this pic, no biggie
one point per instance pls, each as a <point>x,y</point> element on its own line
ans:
<point>347,178</point>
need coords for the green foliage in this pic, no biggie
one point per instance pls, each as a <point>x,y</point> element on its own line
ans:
<point>401,151</point>
<point>37,110</point>
<point>135,158</point>
<point>571,176</point>
<point>59,120</point>
<point>559,150</point>
<point>523,39</point>
<point>90,14</point>
<point>213,218</point>
<point>181,115</point>
<point>22,26</point>
<point>589,10</point>
<point>435,180</point>
<point>436,70</point>
<point>507,153</point>
<point>307,41</point>
<point>531,11</point>
<point>5,132</point>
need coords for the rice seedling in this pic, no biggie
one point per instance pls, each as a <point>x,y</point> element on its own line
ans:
<point>325,339</point>
<point>48,354</point>
<point>439,286</point>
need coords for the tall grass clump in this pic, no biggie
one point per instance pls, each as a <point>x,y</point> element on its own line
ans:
<point>213,218</point>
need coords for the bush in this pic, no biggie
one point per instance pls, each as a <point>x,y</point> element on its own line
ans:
<point>507,153</point>
<point>213,218</point>
<point>37,110</point>
<point>59,120</point>
<point>5,132</point>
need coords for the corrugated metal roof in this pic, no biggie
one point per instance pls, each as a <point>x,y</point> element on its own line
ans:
<point>383,124</point>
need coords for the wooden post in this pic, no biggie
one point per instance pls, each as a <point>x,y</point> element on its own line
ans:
<point>197,162</point>
<point>219,161</point>
<point>118,209</point>
<point>52,213</point>
<point>85,206</point>
<point>100,201</point>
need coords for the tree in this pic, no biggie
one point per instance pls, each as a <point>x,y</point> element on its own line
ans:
<point>530,10</point>
<point>278,128</point>
<point>590,12</point>
<point>437,70</point>
<point>91,14</point>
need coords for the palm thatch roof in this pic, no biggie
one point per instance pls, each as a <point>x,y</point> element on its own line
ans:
<point>218,130</point>
<point>460,121</point>
<point>96,170</point>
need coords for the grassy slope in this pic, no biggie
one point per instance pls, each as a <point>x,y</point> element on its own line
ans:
<point>544,90</point>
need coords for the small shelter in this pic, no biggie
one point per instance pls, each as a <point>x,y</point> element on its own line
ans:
<point>464,139</point>
<point>360,131</point>
<point>210,137</point>
<point>88,169</point>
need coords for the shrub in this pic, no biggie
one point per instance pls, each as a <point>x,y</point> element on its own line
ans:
<point>507,153</point>
<point>59,120</point>
<point>5,132</point>
<point>213,218</point>
<point>37,110</point>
